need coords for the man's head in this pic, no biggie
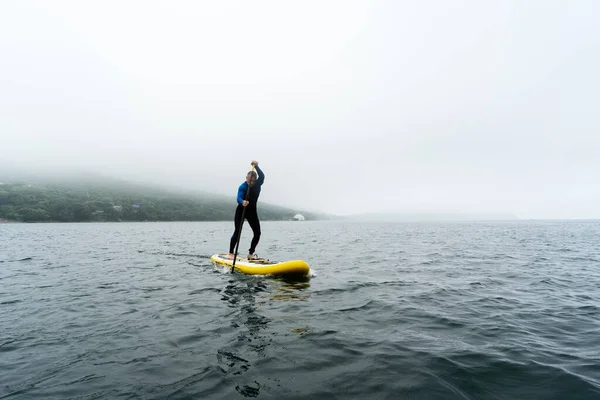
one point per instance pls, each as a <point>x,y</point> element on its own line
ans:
<point>251,177</point>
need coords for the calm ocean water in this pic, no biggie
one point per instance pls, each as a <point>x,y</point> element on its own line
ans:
<point>503,310</point>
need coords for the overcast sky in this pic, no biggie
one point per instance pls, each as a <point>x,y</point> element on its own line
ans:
<point>349,106</point>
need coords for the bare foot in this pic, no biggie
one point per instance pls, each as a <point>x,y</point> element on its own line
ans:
<point>252,257</point>
<point>230,256</point>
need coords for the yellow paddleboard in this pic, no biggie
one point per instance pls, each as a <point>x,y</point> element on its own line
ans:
<point>263,266</point>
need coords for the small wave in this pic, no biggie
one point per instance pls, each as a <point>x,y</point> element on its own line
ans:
<point>553,282</point>
<point>85,378</point>
<point>199,291</point>
<point>26,273</point>
<point>589,307</point>
<point>366,306</point>
<point>6,346</point>
<point>51,266</point>
<point>151,289</point>
<point>190,339</point>
<point>209,376</point>
<point>442,322</point>
<point>584,259</point>
<point>193,264</point>
<point>503,256</point>
<point>354,286</point>
<point>10,302</point>
<point>19,260</point>
<point>202,256</point>
<point>539,259</point>
<point>108,285</point>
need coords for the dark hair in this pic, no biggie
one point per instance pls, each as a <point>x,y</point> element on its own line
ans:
<point>252,173</point>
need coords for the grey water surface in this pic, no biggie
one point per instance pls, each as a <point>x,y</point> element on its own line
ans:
<point>486,310</point>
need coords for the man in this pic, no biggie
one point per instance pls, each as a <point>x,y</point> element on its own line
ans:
<point>251,187</point>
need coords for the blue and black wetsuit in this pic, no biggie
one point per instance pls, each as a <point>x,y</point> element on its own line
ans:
<point>251,213</point>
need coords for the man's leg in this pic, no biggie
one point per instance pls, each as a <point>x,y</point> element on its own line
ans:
<point>252,217</point>
<point>238,224</point>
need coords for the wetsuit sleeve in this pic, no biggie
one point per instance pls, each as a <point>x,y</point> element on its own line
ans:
<point>241,193</point>
<point>261,176</point>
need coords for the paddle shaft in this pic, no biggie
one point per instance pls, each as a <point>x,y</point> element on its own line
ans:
<point>237,244</point>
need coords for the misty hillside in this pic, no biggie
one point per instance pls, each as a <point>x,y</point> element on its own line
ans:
<point>78,198</point>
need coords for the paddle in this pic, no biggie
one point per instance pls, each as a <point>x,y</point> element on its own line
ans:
<point>237,244</point>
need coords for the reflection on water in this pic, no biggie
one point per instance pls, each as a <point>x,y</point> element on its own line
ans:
<point>246,287</point>
<point>252,300</point>
<point>289,290</point>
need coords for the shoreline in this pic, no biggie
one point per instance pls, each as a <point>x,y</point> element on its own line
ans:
<point>9,221</point>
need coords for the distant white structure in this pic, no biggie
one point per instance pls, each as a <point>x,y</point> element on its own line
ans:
<point>298,217</point>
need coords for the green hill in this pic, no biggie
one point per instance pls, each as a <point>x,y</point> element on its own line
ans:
<point>108,199</point>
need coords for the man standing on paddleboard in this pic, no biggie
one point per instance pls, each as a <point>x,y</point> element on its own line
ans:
<point>250,189</point>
